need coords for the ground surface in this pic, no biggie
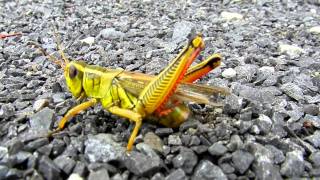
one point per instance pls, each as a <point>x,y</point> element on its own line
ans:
<point>268,128</point>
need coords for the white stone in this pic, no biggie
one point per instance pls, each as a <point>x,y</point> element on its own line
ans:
<point>75,177</point>
<point>40,104</point>
<point>229,73</point>
<point>88,40</point>
<point>291,50</point>
<point>229,16</point>
<point>269,69</point>
<point>315,30</point>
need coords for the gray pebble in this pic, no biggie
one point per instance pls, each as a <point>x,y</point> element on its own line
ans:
<point>111,33</point>
<point>233,104</point>
<point>217,149</point>
<point>206,170</point>
<point>144,163</point>
<point>181,31</point>
<point>153,141</point>
<point>314,139</point>
<point>48,168</point>
<point>101,174</point>
<point>311,109</point>
<point>264,123</point>
<point>6,111</point>
<point>178,174</point>
<point>315,158</point>
<point>292,91</point>
<point>186,160</point>
<point>163,131</point>
<point>33,145</point>
<point>174,140</point>
<point>80,168</point>
<point>293,165</point>
<point>42,120</point>
<point>157,176</point>
<point>277,154</point>
<point>103,148</point>
<point>65,164</point>
<point>242,160</point>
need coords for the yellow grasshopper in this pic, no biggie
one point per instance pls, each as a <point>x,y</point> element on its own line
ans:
<point>137,96</point>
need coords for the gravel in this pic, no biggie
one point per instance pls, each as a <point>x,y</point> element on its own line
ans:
<point>268,127</point>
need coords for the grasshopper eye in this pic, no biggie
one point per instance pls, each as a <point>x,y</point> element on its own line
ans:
<point>72,72</point>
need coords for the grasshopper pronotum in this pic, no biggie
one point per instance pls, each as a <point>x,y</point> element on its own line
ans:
<point>136,96</point>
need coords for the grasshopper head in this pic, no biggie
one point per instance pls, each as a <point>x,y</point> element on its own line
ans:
<point>73,72</point>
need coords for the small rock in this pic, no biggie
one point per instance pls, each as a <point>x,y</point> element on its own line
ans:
<point>263,165</point>
<point>75,177</point>
<point>314,139</point>
<point>242,160</point>
<point>174,140</point>
<point>111,33</point>
<point>153,141</point>
<point>194,141</point>
<point>88,40</point>
<point>157,176</point>
<point>181,31</point>
<point>311,109</point>
<point>217,149</point>
<point>48,168</point>
<point>102,148</point>
<point>292,50</point>
<point>33,145</point>
<point>3,171</point>
<point>229,16</point>
<point>176,175</point>
<point>58,97</point>
<point>229,73</point>
<point>233,104</point>
<point>293,165</point>
<point>315,159</point>
<point>163,131</point>
<point>6,111</point>
<point>206,170</point>
<point>185,160</point>
<point>315,30</point>
<point>40,104</point>
<point>80,169</point>
<point>42,120</point>
<point>277,154</point>
<point>58,146</point>
<point>235,143</point>
<point>101,174</point>
<point>188,124</point>
<point>227,168</point>
<point>292,91</point>
<point>66,164</point>
<point>145,163</point>
<point>264,123</point>
<point>200,149</point>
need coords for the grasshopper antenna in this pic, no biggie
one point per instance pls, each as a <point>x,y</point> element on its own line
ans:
<point>44,52</point>
<point>57,38</point>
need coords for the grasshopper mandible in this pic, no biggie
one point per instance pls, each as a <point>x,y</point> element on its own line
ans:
<point>137,96</point>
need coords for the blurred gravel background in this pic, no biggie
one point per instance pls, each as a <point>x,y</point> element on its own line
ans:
<point>268,128</point>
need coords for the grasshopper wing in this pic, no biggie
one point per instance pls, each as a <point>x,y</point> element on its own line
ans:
<point>134,83</point>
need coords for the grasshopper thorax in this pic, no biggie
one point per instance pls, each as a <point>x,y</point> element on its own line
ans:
<point>73,72</point>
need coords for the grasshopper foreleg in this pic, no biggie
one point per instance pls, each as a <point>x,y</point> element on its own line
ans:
<point>72,112</point>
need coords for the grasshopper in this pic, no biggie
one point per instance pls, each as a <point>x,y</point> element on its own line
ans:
<point>137,96</point>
